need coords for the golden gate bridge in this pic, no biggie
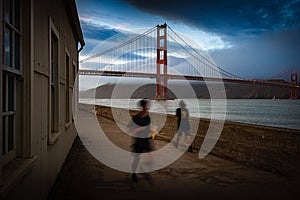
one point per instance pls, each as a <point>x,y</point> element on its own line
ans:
<point>162,54</point>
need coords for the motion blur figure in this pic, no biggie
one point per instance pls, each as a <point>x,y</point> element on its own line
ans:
<point>140,128</point>
<point>183,125</point>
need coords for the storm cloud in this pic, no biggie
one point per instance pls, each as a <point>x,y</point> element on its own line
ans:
<point>264,34</point>
<point>229,18</point>
<point>259,38</point>
<point>262,56</point>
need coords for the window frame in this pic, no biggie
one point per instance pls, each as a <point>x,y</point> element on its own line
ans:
<point>15,31</point>
<point>74,73</point>
<point>68,120</point>
<point>74,83</point>
<point>1,55</point>
<point>9,154</point>
<point>15,70</point>
<point>53,135</point>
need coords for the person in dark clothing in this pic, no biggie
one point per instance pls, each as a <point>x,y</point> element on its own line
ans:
<point>140,127</point>
<point>183,124</point>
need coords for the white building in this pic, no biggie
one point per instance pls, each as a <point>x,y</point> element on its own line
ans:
<point>40,43</point>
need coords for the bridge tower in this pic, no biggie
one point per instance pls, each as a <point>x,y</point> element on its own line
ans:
<point>294,81</point>
<point>161,63</point>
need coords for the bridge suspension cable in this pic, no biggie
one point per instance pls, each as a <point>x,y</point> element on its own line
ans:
<point>140,56</point>
<point>280,75</point>
<point>226,73</point>
<point>120,45</point>
<point>200,62</point>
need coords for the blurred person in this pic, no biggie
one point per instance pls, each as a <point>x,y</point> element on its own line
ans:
<point>183,125</point>
<point>140,128</point>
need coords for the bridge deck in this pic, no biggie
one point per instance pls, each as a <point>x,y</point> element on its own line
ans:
<point>180,77</point>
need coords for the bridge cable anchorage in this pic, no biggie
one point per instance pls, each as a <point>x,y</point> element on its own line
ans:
<point>120,45</point>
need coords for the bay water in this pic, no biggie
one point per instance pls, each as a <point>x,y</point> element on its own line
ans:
<point>283,113</point>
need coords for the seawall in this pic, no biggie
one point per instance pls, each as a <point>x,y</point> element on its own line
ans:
<point>268,148</point>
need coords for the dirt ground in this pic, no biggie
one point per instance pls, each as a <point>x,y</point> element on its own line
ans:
<point>84,177</point>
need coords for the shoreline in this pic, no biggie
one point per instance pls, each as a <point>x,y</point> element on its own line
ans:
<point>269,148</point>
<point>205,118</point>
<point>268,112</point>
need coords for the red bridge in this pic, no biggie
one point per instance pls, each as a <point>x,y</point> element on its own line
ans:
<point>146,56</point>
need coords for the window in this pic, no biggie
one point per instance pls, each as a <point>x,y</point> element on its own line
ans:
<point>67,89</point>
<point>74,73</point>
<point>10,82</point>
<point>74,91</point>
<point>53,84</point>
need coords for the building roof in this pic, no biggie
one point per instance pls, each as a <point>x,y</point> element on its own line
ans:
<point>73,15</point>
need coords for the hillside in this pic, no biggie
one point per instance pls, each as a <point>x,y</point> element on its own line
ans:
<point>233,91</point>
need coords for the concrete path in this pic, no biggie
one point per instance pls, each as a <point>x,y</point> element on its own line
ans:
<point>84,177</point>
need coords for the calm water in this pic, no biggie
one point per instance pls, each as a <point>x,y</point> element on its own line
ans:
<point>277,113</point>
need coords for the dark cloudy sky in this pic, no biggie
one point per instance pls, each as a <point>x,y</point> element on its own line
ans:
<point>250,38</point>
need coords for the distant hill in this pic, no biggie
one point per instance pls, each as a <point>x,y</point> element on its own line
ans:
<point>233,91</point>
